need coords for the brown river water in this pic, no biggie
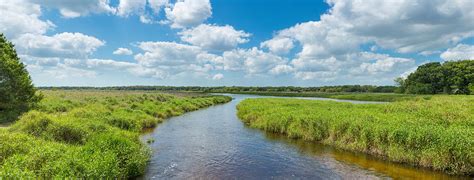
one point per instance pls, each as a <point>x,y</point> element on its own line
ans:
<point>213,143</point>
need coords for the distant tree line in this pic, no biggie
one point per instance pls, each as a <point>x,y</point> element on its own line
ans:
<point>452,77</point>
<point>329,89</point>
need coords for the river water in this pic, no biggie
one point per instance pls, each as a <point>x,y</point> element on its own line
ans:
<point>213,143</point>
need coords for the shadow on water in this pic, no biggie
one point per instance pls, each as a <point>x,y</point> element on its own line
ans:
<point>213,143</point>
<point>376,165</point>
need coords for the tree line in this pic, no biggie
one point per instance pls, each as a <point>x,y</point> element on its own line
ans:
<point>323,89</point>
<point>452,77</point>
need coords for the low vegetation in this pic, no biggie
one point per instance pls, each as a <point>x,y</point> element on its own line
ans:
<point>89,134</point>
<point>434,132</point>
<point>382,97</point>
<point>237,89</point>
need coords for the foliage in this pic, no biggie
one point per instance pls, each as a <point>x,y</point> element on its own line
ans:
<point>383,97</point>
<point>452,77</point>
<point>435,133</point>
<point>236,89</point>
<point>89,134</point>
<point>17,93</point>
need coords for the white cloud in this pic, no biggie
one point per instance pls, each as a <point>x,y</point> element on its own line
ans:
<point>170,58</point>
<point>65,45</point>
<point>330,48</point>
<point>109,64</point>
<point>188,13</point>
<point>428,53</point>
<point>405,25</point>
<point>323,76</point>
<point>123,51</point>
<point>386,65</point>
<point>460,52</point>
<point>278,45</point>
<point>218,76</point>
<point>72,9</point>
<point>40,61</point>
<point>128,7</point>
<point>252,61</point>
<point>213,37</point>
<point>167,53</point>
<point>365,65</point>
<point>19,17</point>
<point>157,5</point>
<point>62,71</point>
<point>281,69</point>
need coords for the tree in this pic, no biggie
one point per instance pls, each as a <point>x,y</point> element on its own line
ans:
<point>452,77</point>
<point>17,93</point>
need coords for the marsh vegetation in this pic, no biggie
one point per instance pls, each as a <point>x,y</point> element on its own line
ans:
<point>435,132</point>
<point>89,134</point>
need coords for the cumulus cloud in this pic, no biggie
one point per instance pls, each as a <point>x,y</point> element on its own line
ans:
<point>218,76</point>
<point>281,69</point>
<point>385,65</point>
<point>157,5</point>
<point>123,51</point>
<point>188,13</point>
<point>167,53</point>
<point>460,52</point>
<point>323,76</point>
<point>20,16</point>
<point>170,58</point>
<point>213,37</point>
<point>128,7</point>
<point>72,9</point>
<point>330,48</point>
<point>406,26</point>
<point>253,61</point>
<point>64,45</point>
<point>278,45</point>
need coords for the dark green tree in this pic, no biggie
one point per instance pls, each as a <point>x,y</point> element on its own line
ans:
<point>452,77</point>
<point>17,93</point>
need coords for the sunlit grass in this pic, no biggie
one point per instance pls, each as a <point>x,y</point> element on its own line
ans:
<point>89,134</point>
<point>436,132</point>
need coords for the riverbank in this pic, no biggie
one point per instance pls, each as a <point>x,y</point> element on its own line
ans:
<point>89,134</point>
<point>429,132</point>
<point>380,97</point>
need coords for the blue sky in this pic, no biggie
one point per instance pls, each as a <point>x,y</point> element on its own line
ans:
<point>234,42</point>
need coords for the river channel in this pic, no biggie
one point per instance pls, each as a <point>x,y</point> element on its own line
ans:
<point>213,143</point>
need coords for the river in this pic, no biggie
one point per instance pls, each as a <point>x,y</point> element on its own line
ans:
<point>213,143</point>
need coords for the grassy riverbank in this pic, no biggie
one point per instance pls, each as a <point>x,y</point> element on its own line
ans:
<point>384,97</point>
<point>435,132</point>
<point>89,134</point>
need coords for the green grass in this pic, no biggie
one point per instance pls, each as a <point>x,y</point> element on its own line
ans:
<point>89,134</point>
<point>436,132</point>
<point>382,97</point>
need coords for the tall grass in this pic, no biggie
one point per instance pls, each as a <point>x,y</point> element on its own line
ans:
<point>437,133</point>
<point>89,134</point>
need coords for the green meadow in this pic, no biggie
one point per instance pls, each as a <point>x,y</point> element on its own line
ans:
<point>435,132</point>
<point>89,134</point>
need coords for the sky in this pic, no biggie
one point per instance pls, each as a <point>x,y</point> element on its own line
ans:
<point>234,42</point>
